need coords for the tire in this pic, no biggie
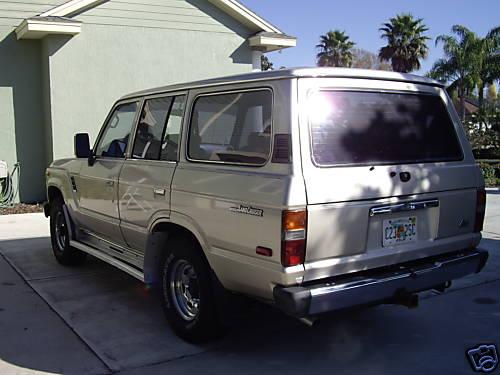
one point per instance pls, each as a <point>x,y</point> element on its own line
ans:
<point>59,237</point>
<point>188,295</point>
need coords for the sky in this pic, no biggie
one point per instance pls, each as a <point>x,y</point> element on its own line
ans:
<point>361,19</point>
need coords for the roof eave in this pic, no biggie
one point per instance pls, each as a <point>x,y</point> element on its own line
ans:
<point>269,43</point>
<point>244,15</point>
<point>32,28</point>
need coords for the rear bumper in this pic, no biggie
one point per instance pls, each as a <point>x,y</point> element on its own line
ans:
<point>377,285</point>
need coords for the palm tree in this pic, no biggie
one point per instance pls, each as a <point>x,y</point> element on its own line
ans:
<point>488,67</point>
<point>470,62</point>
<point>405,43</point>
<point>335,49</point>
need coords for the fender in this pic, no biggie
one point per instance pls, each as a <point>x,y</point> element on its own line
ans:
<point>186,222</point>
<point>60,179</point>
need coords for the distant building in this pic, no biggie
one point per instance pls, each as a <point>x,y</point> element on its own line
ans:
<point>63,67</point>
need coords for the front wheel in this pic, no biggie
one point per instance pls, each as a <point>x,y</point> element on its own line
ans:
<point>60,236</point>
<point>187,293</point>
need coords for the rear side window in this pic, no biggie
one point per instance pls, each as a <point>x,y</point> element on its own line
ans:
<point>158,131</point>
<point>350,127</point>
<point>232,128</point>
<point>148,139</point>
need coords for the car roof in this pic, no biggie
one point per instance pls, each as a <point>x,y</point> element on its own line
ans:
<point>292,73</point>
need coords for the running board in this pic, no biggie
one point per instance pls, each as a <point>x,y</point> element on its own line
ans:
<point>108,259</point>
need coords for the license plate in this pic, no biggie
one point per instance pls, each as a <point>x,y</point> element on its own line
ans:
<point>399,231</point>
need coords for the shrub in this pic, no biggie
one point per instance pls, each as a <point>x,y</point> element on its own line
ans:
<point>491,172</point>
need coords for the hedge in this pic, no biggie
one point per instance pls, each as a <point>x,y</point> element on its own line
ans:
<point>491,172</point>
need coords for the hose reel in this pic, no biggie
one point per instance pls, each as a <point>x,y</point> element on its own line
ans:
<point>8,189</point>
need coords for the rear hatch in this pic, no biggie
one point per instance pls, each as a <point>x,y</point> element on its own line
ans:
<point>389,174</point>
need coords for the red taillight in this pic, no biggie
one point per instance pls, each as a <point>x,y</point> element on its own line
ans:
<point>293,244</point>
<point>480,210</point>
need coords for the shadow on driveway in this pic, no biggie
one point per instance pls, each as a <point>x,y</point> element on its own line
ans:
<point>119,326</point>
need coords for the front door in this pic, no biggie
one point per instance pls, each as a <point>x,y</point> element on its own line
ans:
<point>97,184</point>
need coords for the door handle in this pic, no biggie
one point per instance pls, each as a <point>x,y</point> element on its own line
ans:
<point>110,183</point>
<point>159,191</point>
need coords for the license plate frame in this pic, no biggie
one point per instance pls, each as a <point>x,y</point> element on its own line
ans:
<point>399,231</point>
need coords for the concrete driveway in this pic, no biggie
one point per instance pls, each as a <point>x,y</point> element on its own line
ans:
<point>98,320</point>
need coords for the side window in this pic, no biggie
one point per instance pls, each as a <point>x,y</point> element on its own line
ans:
<point>148,140</point>
<point>114,141</point>
<point>232,128</point>
<point>171,136</point>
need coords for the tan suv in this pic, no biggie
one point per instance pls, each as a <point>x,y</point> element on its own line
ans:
<point>312,189</point>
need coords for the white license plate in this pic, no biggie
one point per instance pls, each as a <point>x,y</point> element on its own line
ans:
<point>399,231</point>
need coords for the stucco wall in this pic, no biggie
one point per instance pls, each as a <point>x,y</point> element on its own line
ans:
<point>21,124</point>
<point>111,58</point>
<point>52,88</point>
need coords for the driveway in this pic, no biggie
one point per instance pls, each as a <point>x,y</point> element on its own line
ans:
<point>98,320</point>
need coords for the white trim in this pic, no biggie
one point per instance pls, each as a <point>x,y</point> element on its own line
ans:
<point>71,7</point>
<point>245,15</point>
<point>37,29</point>
<point>268,44</point>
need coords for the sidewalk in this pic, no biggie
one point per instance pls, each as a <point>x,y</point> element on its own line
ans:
<point>34,339</point>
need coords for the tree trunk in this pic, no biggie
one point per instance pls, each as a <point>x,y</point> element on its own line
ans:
<point>480,89</point>
<point>461,93</point>
<point>462,108</point>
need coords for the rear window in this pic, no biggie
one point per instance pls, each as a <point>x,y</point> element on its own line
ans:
<point>356,127</point>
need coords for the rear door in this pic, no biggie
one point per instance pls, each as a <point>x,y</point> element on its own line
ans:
<point>145,179</point>
<point>388,171</point>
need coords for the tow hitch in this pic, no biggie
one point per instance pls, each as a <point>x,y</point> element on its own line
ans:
<point>409,300</point>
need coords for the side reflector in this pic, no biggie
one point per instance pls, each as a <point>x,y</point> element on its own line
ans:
<point>480,210</point>
<point>265,251</point>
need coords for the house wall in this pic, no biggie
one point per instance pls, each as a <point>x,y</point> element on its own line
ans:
<point>21,124</point>
<point>126,47</point>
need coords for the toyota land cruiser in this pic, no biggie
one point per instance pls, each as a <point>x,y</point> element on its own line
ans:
<point>312,189</point>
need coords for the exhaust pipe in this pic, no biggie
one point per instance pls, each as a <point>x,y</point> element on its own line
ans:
<point>308,321</point>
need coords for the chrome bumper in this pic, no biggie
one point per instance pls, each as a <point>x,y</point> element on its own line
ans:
<point>378,285</point>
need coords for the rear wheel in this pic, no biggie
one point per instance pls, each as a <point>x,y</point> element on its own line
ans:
<point>59,236</point>
<point>187,294</point>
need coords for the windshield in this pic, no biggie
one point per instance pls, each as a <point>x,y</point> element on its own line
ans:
<point>357,127</point>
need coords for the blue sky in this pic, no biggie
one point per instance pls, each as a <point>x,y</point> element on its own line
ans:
<point>361,20</point>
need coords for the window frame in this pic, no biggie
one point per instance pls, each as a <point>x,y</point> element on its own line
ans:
<point>229,92</point>
<point>106,123</point>
<point>143,100</point>
<point>378,91</point>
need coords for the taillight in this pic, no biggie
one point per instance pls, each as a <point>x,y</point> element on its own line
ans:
<point>480,210</point>
<point>293,243</point>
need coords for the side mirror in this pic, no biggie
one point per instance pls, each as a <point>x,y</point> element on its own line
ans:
<point>82,145</point>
